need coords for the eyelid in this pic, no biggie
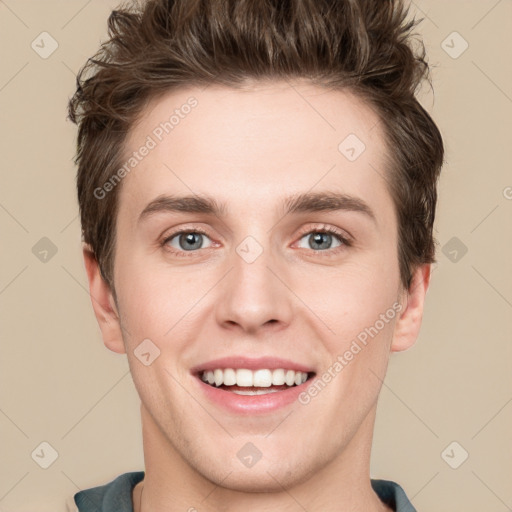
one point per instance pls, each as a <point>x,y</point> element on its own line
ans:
<point>304,231</point>
<point>341,233</point>
<point>187,229</point>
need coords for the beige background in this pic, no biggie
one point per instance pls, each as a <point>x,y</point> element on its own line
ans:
<point>60,385</point>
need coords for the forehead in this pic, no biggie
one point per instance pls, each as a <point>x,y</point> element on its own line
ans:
<point>251,146</point>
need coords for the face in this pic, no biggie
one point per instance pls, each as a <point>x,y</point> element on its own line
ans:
<point>259,269</point>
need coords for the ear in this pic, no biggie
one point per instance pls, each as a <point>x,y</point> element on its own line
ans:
<point>408,324</point>
<point>103,304</point>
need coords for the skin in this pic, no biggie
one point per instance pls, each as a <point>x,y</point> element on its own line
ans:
<point>250,148</point>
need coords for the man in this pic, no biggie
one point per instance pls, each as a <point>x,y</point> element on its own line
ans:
<point>257,187</point>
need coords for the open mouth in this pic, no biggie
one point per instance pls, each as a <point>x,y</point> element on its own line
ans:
<point>243,381</point>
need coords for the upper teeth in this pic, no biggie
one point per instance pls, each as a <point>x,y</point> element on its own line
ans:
<point>257,378</point>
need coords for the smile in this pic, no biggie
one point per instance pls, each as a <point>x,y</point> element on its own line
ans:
<point>262,381</point>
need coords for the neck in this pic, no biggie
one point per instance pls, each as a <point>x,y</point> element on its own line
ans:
<point>172,485</point>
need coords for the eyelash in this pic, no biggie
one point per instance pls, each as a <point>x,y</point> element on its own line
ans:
<point>323,229</point>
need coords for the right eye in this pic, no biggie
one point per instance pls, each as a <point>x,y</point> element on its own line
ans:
<point>185,241</point>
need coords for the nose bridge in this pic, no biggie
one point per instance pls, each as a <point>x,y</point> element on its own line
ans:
<point>253,295</point>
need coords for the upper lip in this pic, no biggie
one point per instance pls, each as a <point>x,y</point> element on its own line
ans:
<point>267,362</point>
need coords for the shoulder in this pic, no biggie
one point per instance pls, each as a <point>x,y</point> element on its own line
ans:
<point>392,495</point>
<point>115,495</point>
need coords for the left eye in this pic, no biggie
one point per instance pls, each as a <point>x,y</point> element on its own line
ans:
<point>322,240</point>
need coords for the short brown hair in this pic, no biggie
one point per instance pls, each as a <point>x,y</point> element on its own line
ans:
<point>362,46</point>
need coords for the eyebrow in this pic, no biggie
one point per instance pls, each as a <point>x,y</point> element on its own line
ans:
<point>308,202</point>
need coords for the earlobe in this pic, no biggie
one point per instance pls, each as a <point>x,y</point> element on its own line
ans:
<point>408,324</point>
<point>103,304</point>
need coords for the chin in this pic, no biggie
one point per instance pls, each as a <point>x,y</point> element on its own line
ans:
<point>262,480</point>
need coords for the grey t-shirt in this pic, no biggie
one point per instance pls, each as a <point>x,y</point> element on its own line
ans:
<point>116,496</point>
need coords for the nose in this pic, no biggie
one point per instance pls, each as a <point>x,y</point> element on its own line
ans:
<point>254,296</point>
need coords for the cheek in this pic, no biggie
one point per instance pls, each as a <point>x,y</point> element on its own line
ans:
<point>354,298</point>
<point>168,308</point>
<point>149,304</point>
<point>358,349</point>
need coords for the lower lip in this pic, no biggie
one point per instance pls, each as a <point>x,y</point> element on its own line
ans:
<point>252,404</point>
